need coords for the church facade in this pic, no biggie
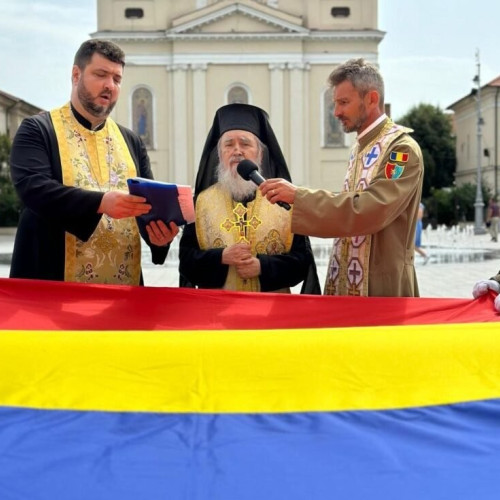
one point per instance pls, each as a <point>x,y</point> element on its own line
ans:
<point>186,58</point>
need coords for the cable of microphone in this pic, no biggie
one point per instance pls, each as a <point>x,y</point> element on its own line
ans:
<point>250,172</point>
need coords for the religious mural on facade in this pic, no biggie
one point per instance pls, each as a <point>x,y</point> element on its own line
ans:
<point>142,115</point>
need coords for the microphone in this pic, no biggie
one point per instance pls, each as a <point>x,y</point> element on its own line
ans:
<point>250,172</point>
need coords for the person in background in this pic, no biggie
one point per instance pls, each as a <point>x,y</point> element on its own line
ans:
<point>373,219</point>
<point>70,168</point>
<point>240,241</point>
<point>418,234</point>
<point>492,218</point>
<point>483,287</point>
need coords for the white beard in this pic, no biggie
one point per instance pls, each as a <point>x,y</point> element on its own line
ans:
<point>239,188</point>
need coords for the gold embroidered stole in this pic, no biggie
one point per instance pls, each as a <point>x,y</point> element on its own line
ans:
<point>221,222</point>
<point>349,265</point>
<point>98,161</point>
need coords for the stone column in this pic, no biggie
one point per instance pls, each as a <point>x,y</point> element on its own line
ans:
<point>199,116</point>
<point>178,105</point>
<point>277,99</point>
<point>299,126</point>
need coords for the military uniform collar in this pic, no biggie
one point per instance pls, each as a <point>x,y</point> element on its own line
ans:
<point>372,131</point>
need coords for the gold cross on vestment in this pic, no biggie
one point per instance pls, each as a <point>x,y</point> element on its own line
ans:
<point>241,224</point>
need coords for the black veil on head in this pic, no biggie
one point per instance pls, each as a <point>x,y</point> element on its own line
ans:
<point>239,116</point>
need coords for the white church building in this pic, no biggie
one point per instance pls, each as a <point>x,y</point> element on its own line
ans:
<point>186,58</point>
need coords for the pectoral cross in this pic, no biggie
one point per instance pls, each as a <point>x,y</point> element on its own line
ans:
<point>241,223</point>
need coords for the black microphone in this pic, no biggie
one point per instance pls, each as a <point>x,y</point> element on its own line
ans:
<point>250,172</point>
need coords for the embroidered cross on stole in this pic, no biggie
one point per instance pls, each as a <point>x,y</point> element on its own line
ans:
<point>221,222</point>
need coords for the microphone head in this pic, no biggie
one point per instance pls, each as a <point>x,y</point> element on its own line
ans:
<point>245,168</point>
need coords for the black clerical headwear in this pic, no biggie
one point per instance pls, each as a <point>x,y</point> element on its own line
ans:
<point>239,116</point>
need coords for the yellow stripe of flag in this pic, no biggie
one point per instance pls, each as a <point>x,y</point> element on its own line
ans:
<point>250,371</point>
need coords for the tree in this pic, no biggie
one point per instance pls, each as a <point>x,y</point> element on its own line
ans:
<point>4,151</point>
<point>434,134</point>
<point>452,206</point>
<point>9,202</point>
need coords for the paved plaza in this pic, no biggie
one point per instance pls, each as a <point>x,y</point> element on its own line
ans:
<point>458,258</point>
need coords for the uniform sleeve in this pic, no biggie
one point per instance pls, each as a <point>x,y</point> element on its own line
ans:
<point>324,214</point>
<point>202,268</point>
<point>37,178</point>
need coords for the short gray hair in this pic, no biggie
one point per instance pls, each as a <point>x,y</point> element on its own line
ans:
<point>362,75</point>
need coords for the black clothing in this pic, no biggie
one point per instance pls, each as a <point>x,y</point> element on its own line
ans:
<point>51,208</point>
<point>204,268</point>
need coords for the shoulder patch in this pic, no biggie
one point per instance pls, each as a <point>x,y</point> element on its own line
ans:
<point>393,170</point>
<point>397,156</point>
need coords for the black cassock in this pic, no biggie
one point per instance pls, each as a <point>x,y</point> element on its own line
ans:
<point>50,208</point>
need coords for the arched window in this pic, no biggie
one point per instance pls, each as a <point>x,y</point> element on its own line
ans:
<point>142,115</point>
<point>333,135</point>
<point>237,93</point>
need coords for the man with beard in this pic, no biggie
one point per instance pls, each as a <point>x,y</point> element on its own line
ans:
<point>240,241</point>
<point>70,167</point>
<point>374,217</point>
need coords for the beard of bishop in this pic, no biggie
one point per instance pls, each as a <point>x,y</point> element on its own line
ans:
<point>239,188</point>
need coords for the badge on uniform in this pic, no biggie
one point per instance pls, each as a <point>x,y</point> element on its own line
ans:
<point>393,170</point>
<point>397,156</point>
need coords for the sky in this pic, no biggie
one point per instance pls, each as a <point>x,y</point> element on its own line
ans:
<point>428,54</point>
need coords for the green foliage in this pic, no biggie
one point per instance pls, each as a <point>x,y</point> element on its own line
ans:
<point>10,205</point>
<point>433,132</point>
<point>4,149</point>
<point>451,206</point>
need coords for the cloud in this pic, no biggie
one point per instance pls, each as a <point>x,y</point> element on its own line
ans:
<point>38,40</point>
<point>54,20</point>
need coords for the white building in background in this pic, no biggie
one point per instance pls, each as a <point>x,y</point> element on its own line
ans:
<point>467,112</point>
<point>186,58</point>
<point>13,110</point>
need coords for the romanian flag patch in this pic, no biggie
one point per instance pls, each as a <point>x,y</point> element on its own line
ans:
<point>401,157</point>
<point>393,170</point>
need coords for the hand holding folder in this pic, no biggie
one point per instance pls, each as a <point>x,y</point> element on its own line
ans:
<point>169,202</point>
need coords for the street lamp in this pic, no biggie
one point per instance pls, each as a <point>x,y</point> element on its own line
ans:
<point>479,204</point>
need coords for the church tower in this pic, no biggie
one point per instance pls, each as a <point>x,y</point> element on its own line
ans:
<point>186,58</point>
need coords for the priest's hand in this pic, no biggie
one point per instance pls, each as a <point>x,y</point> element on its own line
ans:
<point>160,234</point>
<point>236,254</point>
<point>118,205</point>
<point>278,190</point>
<point>250,268</point>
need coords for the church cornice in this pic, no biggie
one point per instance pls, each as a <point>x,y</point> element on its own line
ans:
<point>131,36</point>
<point>283,60</point>
<point>167,36</point>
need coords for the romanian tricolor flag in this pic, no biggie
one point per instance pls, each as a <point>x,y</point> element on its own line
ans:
<point>122,393</point>
<point>398,156</point>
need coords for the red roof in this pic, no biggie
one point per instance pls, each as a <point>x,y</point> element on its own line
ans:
<point>494,83</point>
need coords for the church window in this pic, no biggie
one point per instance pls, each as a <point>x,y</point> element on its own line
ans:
<point>341,11</point>
<point>134,13</point>
<point>237,93</point>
